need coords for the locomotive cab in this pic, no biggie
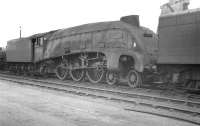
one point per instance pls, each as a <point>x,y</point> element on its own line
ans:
<point>38,48</point>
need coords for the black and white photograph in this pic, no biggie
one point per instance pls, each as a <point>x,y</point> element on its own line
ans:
<point>100,63</point>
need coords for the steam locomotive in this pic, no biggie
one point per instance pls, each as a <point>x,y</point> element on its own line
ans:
<point>112,51</point>
<point>117,51</point>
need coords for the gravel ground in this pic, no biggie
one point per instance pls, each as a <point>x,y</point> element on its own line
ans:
<point>31,106</point>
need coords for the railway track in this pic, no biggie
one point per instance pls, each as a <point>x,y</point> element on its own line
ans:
<point>141,100</point>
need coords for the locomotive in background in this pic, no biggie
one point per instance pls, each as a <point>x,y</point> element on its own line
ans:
<point>115,51</point>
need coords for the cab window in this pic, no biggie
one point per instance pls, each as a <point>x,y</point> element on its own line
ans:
<point>39,41</point>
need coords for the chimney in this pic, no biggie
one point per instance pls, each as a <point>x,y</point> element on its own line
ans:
<point>131,19</point>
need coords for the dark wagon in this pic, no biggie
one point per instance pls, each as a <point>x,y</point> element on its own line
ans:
<point>179,47</point>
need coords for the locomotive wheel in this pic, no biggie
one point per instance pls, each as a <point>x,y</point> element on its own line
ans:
<point>77,74</point>
<point>61,72</point>
<point>134,79</point>
<point>111,77</point>
<point>95,75</point>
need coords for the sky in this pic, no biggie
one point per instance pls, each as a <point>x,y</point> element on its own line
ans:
<point>37,16</point>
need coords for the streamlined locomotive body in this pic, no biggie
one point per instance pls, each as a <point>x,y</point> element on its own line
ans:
<point>112,51</point>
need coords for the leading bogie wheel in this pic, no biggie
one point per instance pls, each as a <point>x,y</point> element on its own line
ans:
<point>111,77</point>
<point>61,72</point>
<point>134,79</point>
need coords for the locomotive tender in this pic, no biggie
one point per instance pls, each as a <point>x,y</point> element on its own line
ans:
<point>112,51</point>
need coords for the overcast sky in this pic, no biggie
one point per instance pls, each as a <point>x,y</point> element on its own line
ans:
<point>37,16</point>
